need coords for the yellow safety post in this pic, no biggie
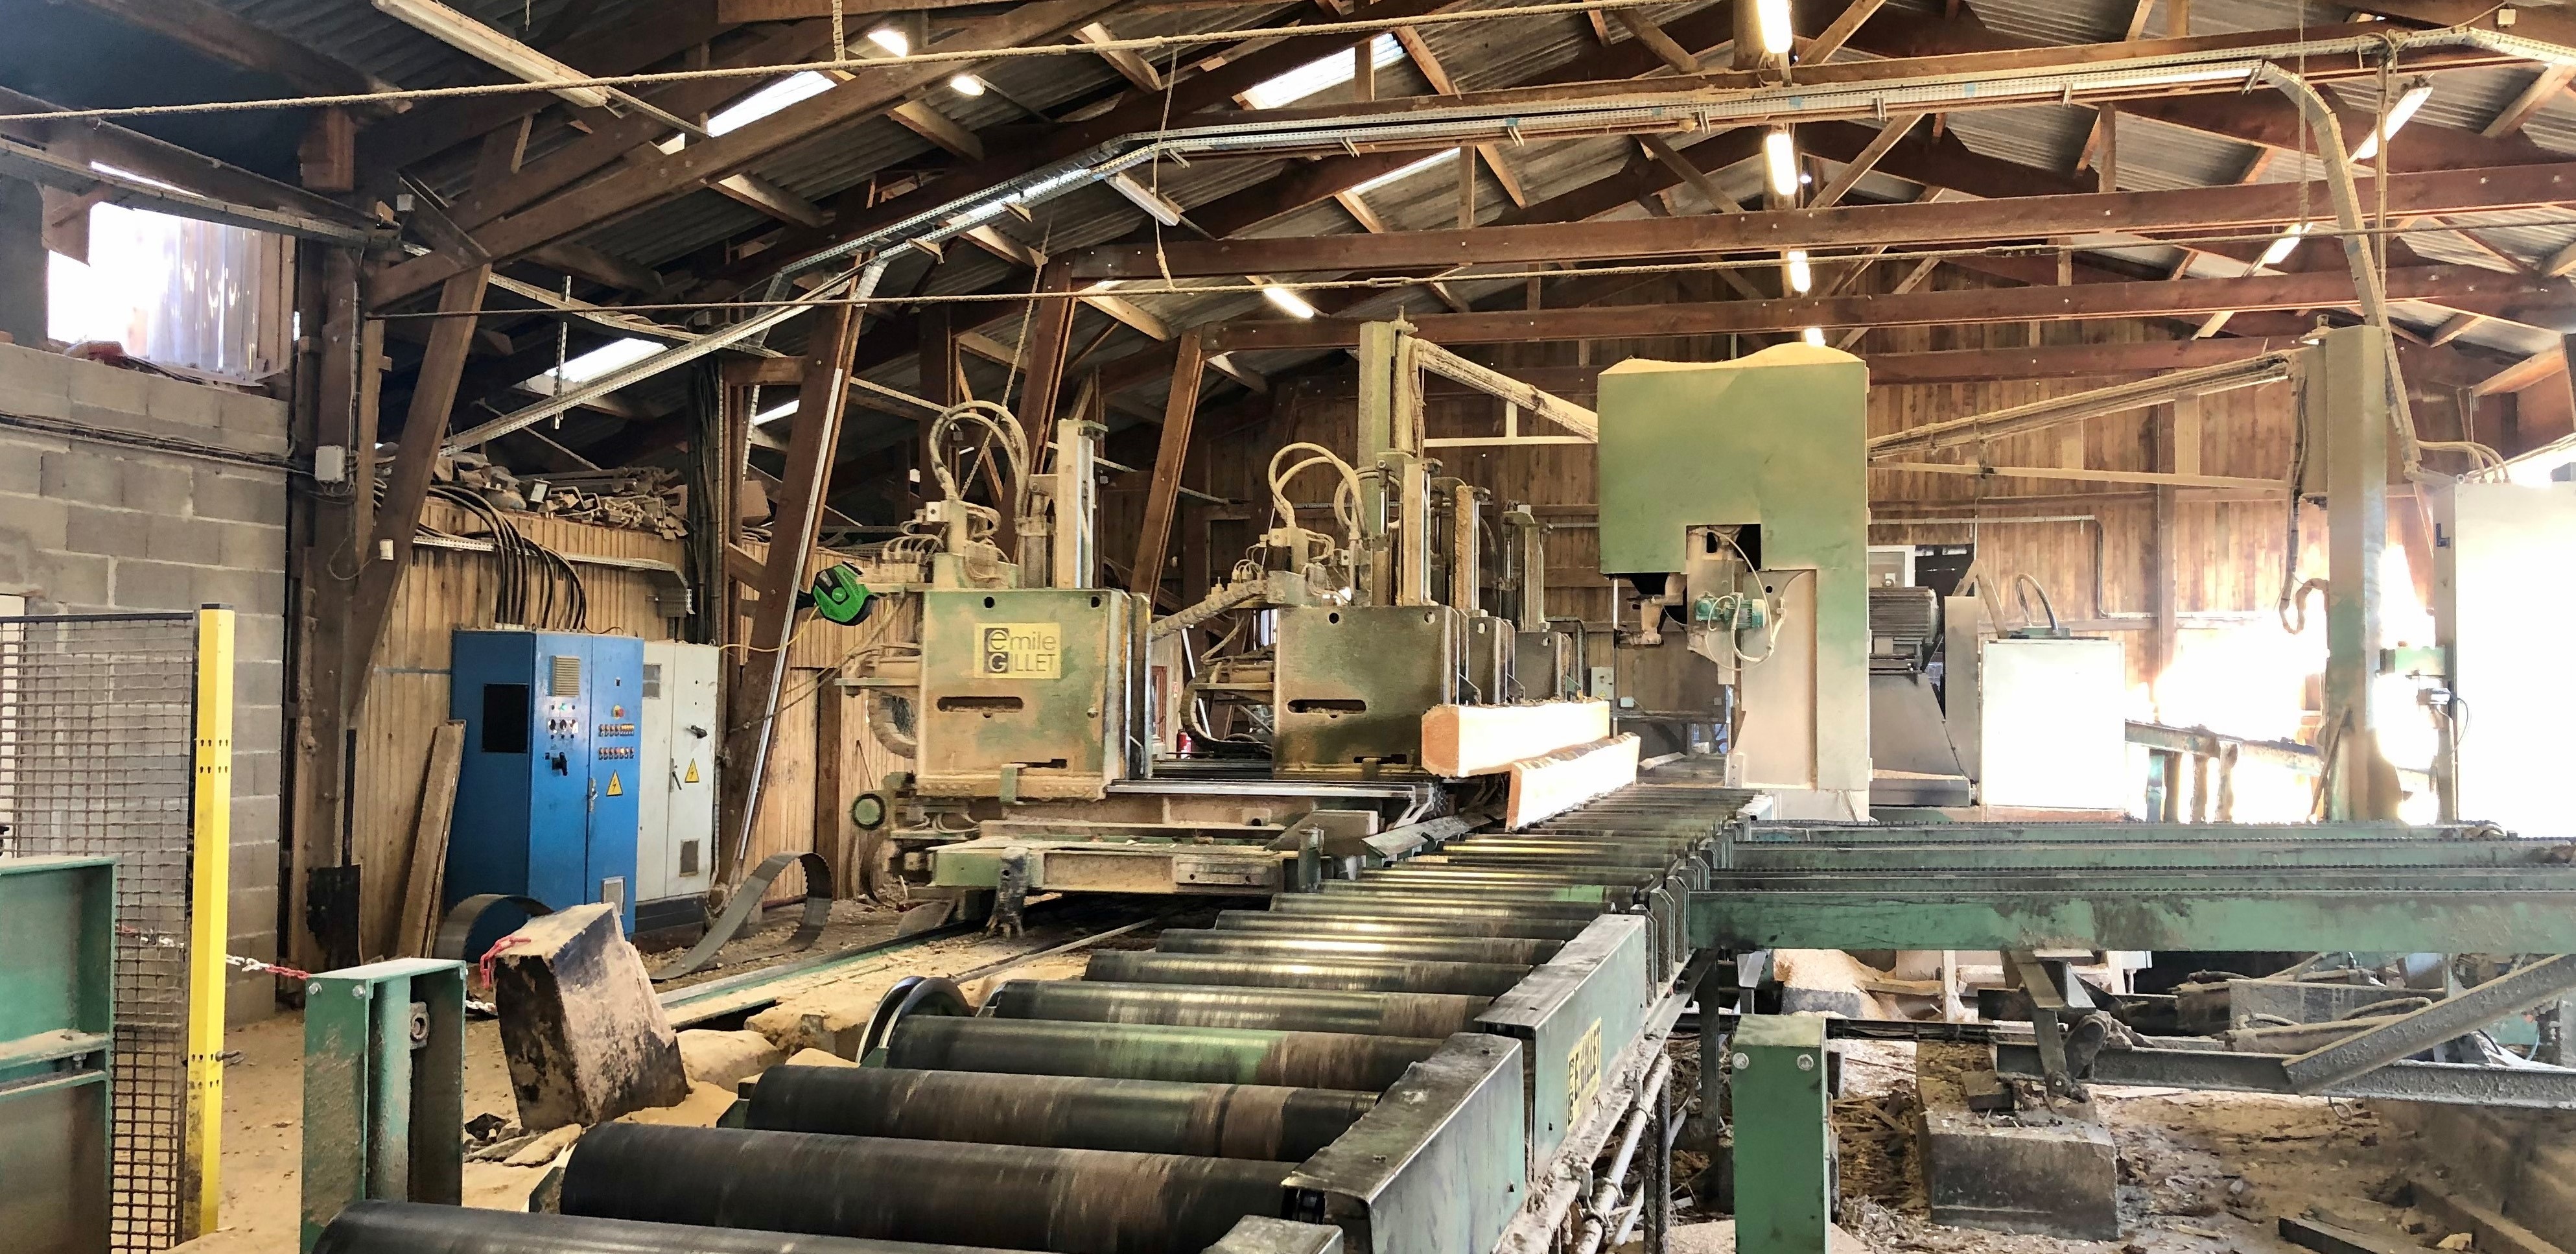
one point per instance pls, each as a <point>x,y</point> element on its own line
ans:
<point>210,831</point>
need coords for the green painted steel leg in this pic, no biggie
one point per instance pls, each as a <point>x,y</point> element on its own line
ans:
<point>1783,1144</point>
<point>384,1087</point>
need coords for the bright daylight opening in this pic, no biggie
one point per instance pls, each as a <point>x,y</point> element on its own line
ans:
<point>1315,76</point>
<point>598,363</point>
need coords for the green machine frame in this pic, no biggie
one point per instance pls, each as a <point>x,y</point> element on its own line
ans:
<point>384,1087</point>
<point>2360,886</point>
<point>57,928</point>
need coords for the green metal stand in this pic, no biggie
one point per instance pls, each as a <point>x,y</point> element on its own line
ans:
<point>384,1087</point>
<point>57,955</point>
<point>1783,1140</point>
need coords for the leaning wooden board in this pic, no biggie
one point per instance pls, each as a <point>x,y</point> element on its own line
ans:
<point>1463,740</point>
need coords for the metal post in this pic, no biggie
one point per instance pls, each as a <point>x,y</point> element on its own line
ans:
<point>384,1087</point>
<point>1074,548</point>
<point>210,839</point>
<point>1410,482</point>
<point>2351,394</point>
<point>1783,1142</point>
<point>1375,577</point>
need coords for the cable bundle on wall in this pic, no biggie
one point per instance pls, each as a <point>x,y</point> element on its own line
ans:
<point>536,587</point>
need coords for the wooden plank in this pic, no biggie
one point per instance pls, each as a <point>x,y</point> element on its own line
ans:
<point>1162,496</point>
<point>1852,226</point>
<point>1840,31</point>
<point>225,36</point>
<point>1860,166</point>
<point>2494,1233</point>
<point>1463,740</point>
<point>1549,785</point>
<point>2086,476</point>
<point>2463,287</point>
<point>428,877</point>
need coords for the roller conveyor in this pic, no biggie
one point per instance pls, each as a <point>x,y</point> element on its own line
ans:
<point>1322,1060</point>
<point>1078,1200</point>
<point>418,1228</point>
<point>1452,949</point>
<point>1273,1009</point>
<point>1400,1057</point>
<point>1481,979</point>
<point>1064,1112</point>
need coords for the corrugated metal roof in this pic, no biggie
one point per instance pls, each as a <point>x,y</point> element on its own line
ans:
<point>1480,55</point>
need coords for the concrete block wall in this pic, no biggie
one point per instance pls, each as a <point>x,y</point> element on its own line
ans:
<point>91,524</point>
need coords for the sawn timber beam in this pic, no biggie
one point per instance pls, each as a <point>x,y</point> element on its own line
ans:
<point>2241,207</point>
<point>2454,286</point>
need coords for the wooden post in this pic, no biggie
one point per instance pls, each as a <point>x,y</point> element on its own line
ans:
<point>1364,70</point>
<point>1466,187</point>
<point>2226,809</point>
<point>2162,594</point>
<point>433,400</point>
<point>821,395</point>
<point>2199,788</point>
<point>836,781</point>
<point>336,405</point>
<point>1163,495</point>
<point>1050,329</point>
<point>2106,156</point>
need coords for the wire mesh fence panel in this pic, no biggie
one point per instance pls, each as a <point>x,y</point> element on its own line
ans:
<point>97,720</point>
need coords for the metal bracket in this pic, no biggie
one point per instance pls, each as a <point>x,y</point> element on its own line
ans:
<point>384,1087</point>
<point>2444,1020</point>
<point>2047,1000</point>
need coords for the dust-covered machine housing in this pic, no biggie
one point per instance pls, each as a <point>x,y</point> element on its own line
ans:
<point>1734,503</point>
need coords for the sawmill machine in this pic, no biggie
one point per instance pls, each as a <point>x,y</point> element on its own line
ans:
<point>1734,510</point>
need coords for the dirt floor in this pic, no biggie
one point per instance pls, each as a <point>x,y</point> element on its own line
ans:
<point>264,1082</point>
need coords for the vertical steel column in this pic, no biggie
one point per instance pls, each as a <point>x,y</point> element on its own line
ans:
<point>210,841</point>
<point>1783,1141</point>
<point>1466,539</point>
<point>384,1087</point>
<point>1375,578</point>
<point>1074,551</point>
<point>2352,397</point>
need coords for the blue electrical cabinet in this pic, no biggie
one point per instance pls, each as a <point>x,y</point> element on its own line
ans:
<point>546,795</point>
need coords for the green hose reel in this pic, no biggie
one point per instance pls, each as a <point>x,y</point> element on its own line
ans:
<point>840,598</point>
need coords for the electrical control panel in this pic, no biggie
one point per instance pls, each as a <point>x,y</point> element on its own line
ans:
<point>675,852</point>
<point>547,793</point>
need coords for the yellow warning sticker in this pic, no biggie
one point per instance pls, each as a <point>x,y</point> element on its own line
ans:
<point>1022,650</point>
<point>692,776</point>
<point>616,786</point>
<point>1582,1073</point>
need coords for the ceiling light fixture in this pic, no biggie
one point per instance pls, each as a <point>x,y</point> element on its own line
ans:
<point>1289,302</point>
<point>1800,276</point>
<point>966,85</point>
<point>2399,114</point>
<point>768,416</point>
<point>1780,157</point>
<point>1813,335</point>
<point>893,41</point>
<point>1771,18</point>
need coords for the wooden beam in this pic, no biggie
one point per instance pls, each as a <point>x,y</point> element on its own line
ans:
<point>628,188</point>
<point>2448,285</point>
<point>614,141</point>
<point>1840,31</point>
<point>1191,94</point>
<point>1551,784</point>
<point>1129,66</point>
<point>397,519</point>
<point>2538,368</point>
<point>745,12</point>
<point>795,522</point>
<point>2265,205</point>
<point>228,37</point>
<point>2545,87</point>
<point>1463,740</point>
<point>1665,48</point>
<point>1050,327</point>
<point>769,198</point>
<point>930,124</point>
<point>2085,476</point>
<point>1171,455</point>
<point>1858,167</point>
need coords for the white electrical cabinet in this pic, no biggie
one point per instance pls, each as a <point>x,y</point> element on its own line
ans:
<point>676,802</point>
<point>2050,729</point>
